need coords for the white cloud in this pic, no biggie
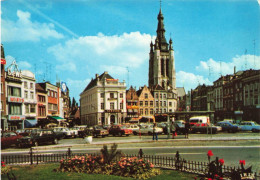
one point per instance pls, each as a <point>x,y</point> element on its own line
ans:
<point>22,65</point>
<point>190,80</point>
<point>128,49</point>
<point>25,30</point>
<point>114,70</point>
<point>215,68</point>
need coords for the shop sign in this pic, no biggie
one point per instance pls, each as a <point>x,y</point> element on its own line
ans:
<point>16,117</point>
<point>113,111</point>
<point>3,61</point>
<point>15,99</point>
<point>14,73</point>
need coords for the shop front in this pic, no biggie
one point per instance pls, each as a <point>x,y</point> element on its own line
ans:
<point>15,122</point>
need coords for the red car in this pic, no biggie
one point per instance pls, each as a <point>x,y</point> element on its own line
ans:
<point>120,130</point>
<point>9,138</point>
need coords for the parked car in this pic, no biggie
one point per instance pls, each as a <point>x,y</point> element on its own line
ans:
<point>205,128</point>
<point>180,126</point>
<point>9,138</point>
<point>120,130</point>
<point>66,132</point>
<point>75,131</point>
<point>82,130</point>
<point>163,125</point>
<point>198,120</point>
<point>26,131</point>
<point>250,126</point>
<point>148,129</point>
<point>228,126</point>
<point>41,136</point>
<point>99,131</point>
<point>134,127</point>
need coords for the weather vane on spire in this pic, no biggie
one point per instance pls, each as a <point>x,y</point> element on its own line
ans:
<point>160,4</point>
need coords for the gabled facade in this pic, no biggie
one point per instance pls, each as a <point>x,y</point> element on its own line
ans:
<point>146,103</point>
<point>42,105</point>
<point>132,104</point>
<point>103,101</point>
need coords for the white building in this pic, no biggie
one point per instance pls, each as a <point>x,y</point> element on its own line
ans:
<point>103,101</point>
<point>30,99</point>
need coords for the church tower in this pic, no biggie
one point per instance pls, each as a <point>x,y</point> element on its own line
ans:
<point>161,59</point>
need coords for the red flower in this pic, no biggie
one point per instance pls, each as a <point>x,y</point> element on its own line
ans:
<point>242,162</point>
<point>210,153</point>
<point>221,161</point>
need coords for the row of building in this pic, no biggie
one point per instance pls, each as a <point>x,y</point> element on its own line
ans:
<point>235,96</point>
<point>25,103</point>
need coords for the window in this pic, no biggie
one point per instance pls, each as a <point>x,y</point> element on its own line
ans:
<point>1,106</point>
<point>146,96</point>
<point>151,111</point>
<point>50,106</point>
<point>26,94</point>
<point>164,95</point>
<point>102,106</point>
<point>31,85</point>
<point>14,91</point>
<point>141,103</point>
<point>151,103</point>
<point>141,111</point>
<point>146,111</point>
<point>55,107</point>
<point>146,103</point>
<point>121,95</point>
<point>25,84</point>
<point>157,103</point>
<point>32,109</point>
<point>164,103</point>
<point>31,95</point>
<point>170,104</point>
<point>161,96</point>
<point>165,110</point>
<point>112,105</point>
<point>160,103</point>
<point>102,95</point>
<point>121,105</point>
<point>111,95</point>
<point>156,95</point>
<point>15,109</point>
<point>49,93</point>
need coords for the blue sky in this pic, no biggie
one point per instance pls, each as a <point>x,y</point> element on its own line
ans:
<point>72,40</point>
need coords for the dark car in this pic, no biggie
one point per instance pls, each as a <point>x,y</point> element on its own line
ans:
<point>229,127</point>
<point>180,126</point>
<point>120,130</point>
<point>41,136</point>
<point>99,131</point>
<point>9,138</point>
<point>205,128</point>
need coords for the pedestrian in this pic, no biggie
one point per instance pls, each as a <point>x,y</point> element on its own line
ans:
<point>155,133</point>
<point>173,130</point>
<point>187,128</point>
<point>141,153</point>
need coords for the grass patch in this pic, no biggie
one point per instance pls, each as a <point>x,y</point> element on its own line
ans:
<point>45,171</point>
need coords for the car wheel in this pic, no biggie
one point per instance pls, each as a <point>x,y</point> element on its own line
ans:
<point>36,143</point>
<point>120,134</point>
<point>254,130</point>
<point>55,141</point>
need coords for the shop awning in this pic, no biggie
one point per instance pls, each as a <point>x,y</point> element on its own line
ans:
<point>28,123</point>
<point>57,118</point>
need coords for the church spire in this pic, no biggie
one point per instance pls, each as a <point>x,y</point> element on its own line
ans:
<point>161,31</point>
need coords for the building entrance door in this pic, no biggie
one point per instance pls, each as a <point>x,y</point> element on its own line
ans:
<point>112,119</point>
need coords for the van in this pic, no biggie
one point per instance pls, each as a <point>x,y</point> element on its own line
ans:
<point>199,120</point>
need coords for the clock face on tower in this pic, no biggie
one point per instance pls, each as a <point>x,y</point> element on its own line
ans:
<point>163,47</point>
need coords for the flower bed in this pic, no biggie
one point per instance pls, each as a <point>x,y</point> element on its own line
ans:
<point>127,167</point>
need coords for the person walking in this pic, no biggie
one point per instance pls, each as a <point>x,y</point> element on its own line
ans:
<point>187,128</point>
<point>155,134</point>
<point>173,130</point>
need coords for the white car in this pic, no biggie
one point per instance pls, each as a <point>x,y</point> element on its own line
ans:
<point>75,130</point>
<point>66,131</point>
<point>250,126</point>
<point>134,127</point>
<point>148,129</point>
